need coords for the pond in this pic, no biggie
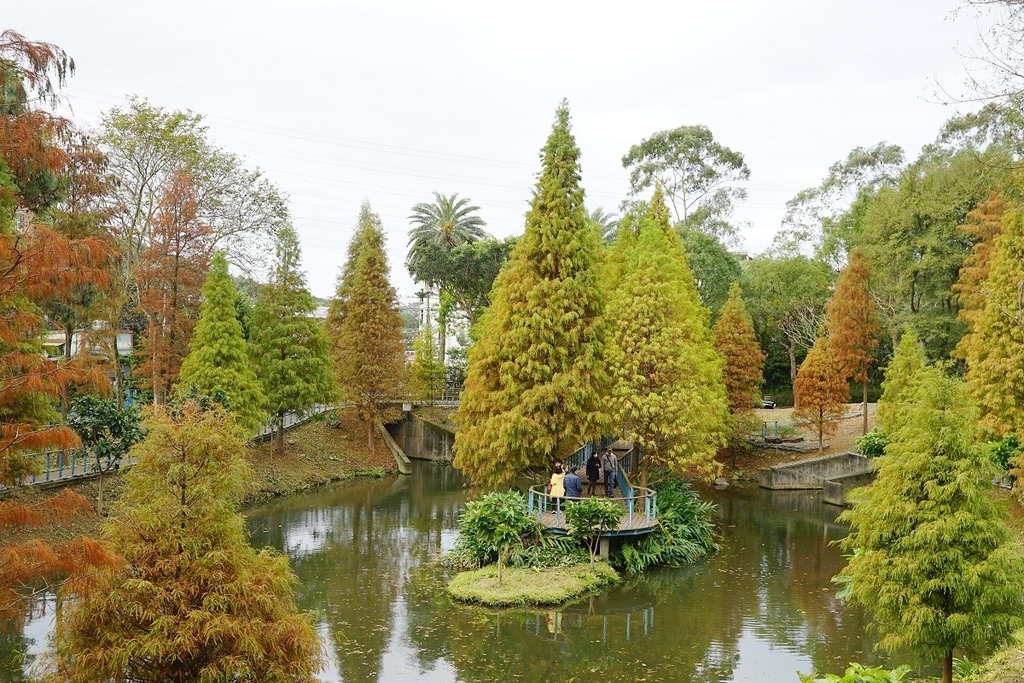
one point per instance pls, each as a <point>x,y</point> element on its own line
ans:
<point>762,608</point>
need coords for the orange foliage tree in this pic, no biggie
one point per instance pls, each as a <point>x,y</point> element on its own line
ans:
<point>37,264</point>
<point>170,281</point>
<point>853,325</point>
<point>31,74</point>
<point>820,391</point>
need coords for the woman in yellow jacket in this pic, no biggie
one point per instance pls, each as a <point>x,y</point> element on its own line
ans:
<point>556,486</point>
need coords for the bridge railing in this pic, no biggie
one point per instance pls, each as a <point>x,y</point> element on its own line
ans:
<point>642,501</point>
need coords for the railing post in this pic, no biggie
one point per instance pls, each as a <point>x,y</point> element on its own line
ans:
<point>47,468</point>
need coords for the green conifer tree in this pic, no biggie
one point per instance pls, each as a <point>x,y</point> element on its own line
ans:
<point>736,341</point>
<point>994,348</point>
<point>536,377</point>
<point>933,558</point>
<point>217,358</point>
<point>907,361</point>
<point>820,391</point>
<point>366,328</point>
<point>288,346</point>
<point>427,374</point>
<point>192,600</point>
<point>667,393</point>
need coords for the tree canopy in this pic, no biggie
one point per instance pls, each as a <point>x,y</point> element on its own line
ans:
<point>536,377</point>
<point>218,358</point>
<point>932,555</point>
<point>668,395</point>
<point>698,174</point>
<point>192,599</point>
<point>289,348</point>
<point>365,327</point>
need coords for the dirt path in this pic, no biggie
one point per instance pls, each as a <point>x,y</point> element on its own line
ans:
<point>850,428</point>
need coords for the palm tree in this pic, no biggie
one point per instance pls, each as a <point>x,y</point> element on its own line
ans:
<point>446,222</point>
<point>606,223</point>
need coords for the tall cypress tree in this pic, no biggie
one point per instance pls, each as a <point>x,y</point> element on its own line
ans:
<point>736,342</point>
<point>994,348</point>
<point>933,558</point>
<point>907,361</point>
<point>368,348</point>
<point>288,346</point>
<point>853,324</point>
<point>820,391</point>
<point>667,394</point>
<point>536,377</point>
<point>192,599</point>
<point>217,358</point>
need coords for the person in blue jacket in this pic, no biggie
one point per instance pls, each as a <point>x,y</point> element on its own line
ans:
<point>573,483</point>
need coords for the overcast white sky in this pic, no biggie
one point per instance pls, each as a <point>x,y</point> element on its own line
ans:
<point>338,101</point>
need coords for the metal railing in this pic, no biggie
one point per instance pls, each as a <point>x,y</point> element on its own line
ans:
<point>642,501</point>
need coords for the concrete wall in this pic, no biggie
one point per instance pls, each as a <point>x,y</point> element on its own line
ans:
<point>812,474</point>
<point>835,490</point>
<point>422,439</point>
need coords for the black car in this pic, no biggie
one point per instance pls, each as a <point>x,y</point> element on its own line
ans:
<point>768,402</point>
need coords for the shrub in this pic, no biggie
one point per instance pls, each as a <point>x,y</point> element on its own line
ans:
<point>589,518</point>
<point>491,527</point>
<point>684,534</point>
<point>857,673</point>
<point>1003,451</point>
<point>872,444</point>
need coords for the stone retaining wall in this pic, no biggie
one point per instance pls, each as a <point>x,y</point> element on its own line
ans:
<point>813,473</point>
<point>423,439</point>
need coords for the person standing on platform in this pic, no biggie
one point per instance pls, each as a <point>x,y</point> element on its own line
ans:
<point>556,485</point>
<point>593,472</point>
<point>610,467</point>
<point>573,484</point>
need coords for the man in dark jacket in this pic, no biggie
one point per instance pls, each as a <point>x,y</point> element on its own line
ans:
<point>593,472</point>
<point>610,467</point>
<point>573,483</point>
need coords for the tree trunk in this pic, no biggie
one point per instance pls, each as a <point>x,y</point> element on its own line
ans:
<point>99,495</point>
<point>947,667</point>
<point>792,361</point>
<point>821,430</point>
<point>864,384</point>
<point>279,436</point>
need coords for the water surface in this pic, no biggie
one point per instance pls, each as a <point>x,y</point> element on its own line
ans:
<point>760,609</point>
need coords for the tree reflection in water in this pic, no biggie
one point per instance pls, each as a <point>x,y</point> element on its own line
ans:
<point>760,609</point>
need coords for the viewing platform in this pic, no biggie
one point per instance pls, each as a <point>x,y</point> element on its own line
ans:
<point>639,505</point>
<point>639,511</point>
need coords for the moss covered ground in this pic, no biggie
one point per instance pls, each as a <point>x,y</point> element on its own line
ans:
<point>528,586</point>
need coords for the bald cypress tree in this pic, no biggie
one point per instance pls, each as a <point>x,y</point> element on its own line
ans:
<point>820,391</point>
<point>288,346</point>
<point>668,394</point>
<point>853,325</point>
<point>933,558</point>
<point>218,359</point>
<point>536,377</point>
<point>192,599</point>
<point>367,345</point>
<point>736,342</point>
<point>994,347</point>
<point>907,361</point>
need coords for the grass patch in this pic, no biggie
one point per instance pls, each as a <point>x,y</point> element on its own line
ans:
<point>1005,665</point>
<point>527,586</point>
